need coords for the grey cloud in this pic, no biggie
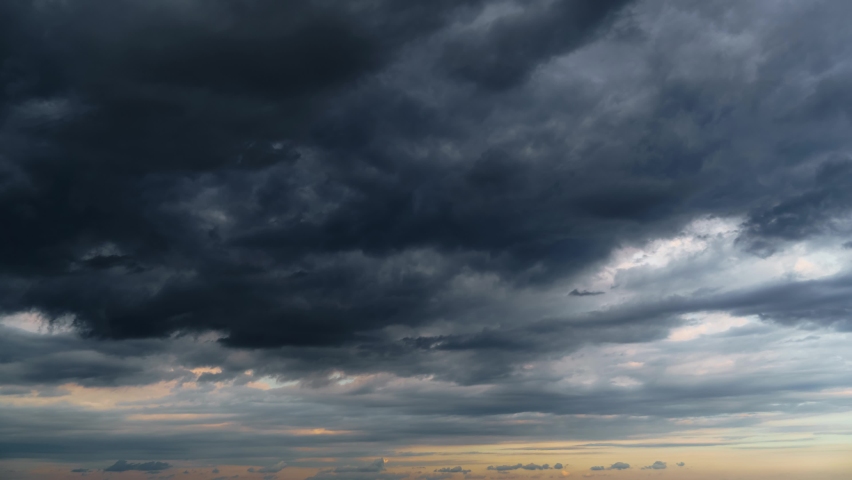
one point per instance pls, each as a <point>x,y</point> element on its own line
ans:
<point>456,469</point>
<point>680,464</point>
<point>401,190</point>
<point>80,470</point>
<point>125,466</point>
<point>788,302</point>
<point>583,293</point>
<point>65,429</point>
<point>658,465</point>
<point>269,204</point>
<point>425,410</point>
<point>619,466</point>
<point>373,471</point>
<point>557,466</point>
<point>806,213</point>
<point>598,467</point>
<point>179,69</point>
<point>505,54</point>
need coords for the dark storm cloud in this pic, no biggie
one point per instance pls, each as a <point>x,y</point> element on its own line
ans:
<point>181,191</point>
<point>125,466</point>
<point>511,47</point>
<point>129,151</point>
<point>58,358</point>
<point>806,213</point>
<point>324,182</point>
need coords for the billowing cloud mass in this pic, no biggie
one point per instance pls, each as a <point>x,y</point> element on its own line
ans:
<point>680,464</point>
<point>258,234</point>
<point>658,465</point>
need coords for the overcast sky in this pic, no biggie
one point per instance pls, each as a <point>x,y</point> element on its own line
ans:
<point>425,240</point>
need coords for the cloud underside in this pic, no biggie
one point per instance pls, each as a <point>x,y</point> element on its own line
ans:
<point>452,212</point>
<point>169,200</point>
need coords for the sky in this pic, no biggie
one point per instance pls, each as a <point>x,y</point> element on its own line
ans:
<point>425,240</point>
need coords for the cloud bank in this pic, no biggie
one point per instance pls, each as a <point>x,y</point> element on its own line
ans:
<point>247,230</point>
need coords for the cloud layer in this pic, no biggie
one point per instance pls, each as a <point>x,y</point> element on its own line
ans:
<point>240,229</point>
